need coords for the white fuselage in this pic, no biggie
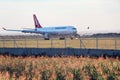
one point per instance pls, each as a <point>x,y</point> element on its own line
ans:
<point>53,30</point>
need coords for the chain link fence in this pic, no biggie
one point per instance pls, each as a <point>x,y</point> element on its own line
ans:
<point>87,43</point>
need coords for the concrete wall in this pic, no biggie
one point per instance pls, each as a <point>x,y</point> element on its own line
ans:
<point>59,51</point>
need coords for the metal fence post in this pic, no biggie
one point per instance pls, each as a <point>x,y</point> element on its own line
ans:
<point>25,43</point>
<point>51,43</point>
<point>37,42</point>
<point>65,42</point>
<point>96,43</point>
<point>80,43</point>
<point>3,45</point>
<point>115,43</point>
<point>14,43</point>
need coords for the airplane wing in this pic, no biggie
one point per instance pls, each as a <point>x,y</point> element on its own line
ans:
<point>11,30</point>
<point>24,30</point>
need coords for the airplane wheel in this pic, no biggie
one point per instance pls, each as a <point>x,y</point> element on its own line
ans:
<point>77,36</point>
<point>46,39</point>
<point>71,38</point>
<point>62,38</point>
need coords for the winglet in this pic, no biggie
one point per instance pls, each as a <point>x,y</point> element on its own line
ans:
<point>37,24</point>
<point>4,28</point>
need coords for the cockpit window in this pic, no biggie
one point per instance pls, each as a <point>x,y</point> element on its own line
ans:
<point>74,28</point>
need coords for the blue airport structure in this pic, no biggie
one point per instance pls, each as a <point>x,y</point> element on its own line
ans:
<point>60,52</point>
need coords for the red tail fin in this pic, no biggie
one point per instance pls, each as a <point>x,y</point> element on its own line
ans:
<point>37,24</point>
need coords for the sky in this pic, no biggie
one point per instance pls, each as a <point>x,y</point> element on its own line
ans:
<point>99,15</point>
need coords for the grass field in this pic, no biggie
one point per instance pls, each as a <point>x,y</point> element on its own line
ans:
<point>92,43</point>
<point>59,68</point>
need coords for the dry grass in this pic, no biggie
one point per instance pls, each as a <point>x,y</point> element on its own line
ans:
<point>60,68</point>
<point>103,43</point>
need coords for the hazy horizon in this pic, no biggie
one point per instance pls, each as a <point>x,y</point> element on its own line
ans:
<point>99,15</point>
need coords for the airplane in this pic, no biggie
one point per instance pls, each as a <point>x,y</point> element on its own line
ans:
<point>48,31</point>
